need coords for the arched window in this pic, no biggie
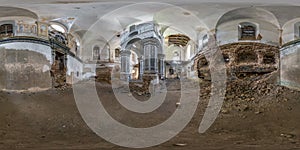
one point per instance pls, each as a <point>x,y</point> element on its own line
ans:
<point>117,52</point>
<point>33,29</point>
<point>77,47</point>
<point>205,40</point>
<point>58,28</point>
<point>104,53</point>
<point>6,30</point>
<point>188,52</point>
<point>247,31</point>
<point>176,56</point>
<point>96,52</point>
<point>297,30</point>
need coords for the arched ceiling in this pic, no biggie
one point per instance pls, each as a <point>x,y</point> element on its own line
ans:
<point>6,11</point>
<point>249,13</point>
<point>87,12</point>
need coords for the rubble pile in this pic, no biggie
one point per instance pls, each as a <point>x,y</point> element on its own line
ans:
<point>103,74</point>
<point>141,87</point>
<point>58,75</point>
<point>250,95</point>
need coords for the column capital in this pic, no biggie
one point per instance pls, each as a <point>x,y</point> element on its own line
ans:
<point>125,53</point>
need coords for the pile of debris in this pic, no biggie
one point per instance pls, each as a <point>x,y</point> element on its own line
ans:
<point>103,74</point>
<point>59,76</point>
<point>245,95</point>
<point>141,87</point>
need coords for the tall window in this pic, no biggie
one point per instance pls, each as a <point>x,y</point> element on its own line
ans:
<point>96,52</point>
<point>6,29</point>
<point>117,52</point>
<point>104,53</point>
<point>247,31</point>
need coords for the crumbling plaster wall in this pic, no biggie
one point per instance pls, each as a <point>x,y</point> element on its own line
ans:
<point>39,48</point>
<point>25,66</point>
<point>242,60</point>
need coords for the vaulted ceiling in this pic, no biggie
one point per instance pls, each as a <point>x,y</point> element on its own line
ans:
<point>80,15</point>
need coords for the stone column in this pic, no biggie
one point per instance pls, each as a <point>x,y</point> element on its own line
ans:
<point>53,56</point>
<point>141,67</point>
<point>66,59</point>
<point>125,65</point>
<point>161,67</point>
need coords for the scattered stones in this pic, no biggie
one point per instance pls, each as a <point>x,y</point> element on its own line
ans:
<point>103,74</point>
<point>258,112</point>
<point>142,87</point>
<point>225,111</point>
<point>178,104</point>
<point>243,116</point>
<point>286,135</point>
<point>180,144</point>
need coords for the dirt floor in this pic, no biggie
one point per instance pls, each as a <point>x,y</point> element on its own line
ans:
<point>257,114</point>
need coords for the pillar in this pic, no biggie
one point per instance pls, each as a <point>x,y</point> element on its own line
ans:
<point>141,67</point>
<point>150,56</point>
<point>125,65</point>
<point>161,67</point>
<point>53,56</point>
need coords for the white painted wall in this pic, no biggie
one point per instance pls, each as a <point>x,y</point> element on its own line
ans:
<point>288,33</point>
<point>229,33</point>
<point>91,70</point>
<point>74,66</point>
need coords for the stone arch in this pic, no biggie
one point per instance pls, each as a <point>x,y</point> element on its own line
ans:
<point>267,23</point>
<point>291,30</point>
<point>130,43</point>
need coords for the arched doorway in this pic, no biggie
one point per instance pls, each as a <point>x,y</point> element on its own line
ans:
<point>135,47</point>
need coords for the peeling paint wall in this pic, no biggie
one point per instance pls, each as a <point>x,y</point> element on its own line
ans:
<point>24,69</point>
<point>42,49</point>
